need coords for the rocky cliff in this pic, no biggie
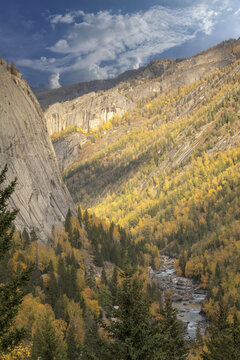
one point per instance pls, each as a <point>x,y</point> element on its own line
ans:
<point>40,194</point>
<point>95,108</point>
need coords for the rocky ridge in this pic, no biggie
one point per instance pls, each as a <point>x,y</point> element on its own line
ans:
<point>25,147</point>
<point>93,109</point>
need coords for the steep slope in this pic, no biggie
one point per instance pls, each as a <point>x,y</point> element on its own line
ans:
<point>94,109</point>
<point>170,175</point>
<point>162,133</point>
<point>25,147</point>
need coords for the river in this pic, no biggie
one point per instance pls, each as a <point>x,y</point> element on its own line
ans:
<point>187,296</point>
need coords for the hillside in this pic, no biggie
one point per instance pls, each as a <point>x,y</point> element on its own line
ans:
<point>41,196</point>
<point>92,110</point>
<point>170,174</point>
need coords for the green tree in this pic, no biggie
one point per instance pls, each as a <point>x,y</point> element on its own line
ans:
<point>224,338</point>
<point>47,344</point>
<point>72,349</point>
<point>67,224</point>
<point>171,333</point>
<point>130,326</point>
<point>12,291</point>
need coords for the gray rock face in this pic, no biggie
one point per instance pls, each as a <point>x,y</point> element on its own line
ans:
<point>87,112</point>
<point>68,149</point>
<point>40,194</point>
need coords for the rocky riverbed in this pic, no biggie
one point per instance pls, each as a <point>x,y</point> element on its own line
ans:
<point>187,296</point>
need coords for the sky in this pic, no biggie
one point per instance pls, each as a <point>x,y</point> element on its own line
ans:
<point>59,42</point>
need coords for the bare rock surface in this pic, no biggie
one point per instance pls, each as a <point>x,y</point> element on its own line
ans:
<point>87,112</point>
<point>25,147</point>
<point>68,149</point>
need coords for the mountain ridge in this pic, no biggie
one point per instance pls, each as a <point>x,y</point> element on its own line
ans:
<point>151,70</point>
<point>93,110</point>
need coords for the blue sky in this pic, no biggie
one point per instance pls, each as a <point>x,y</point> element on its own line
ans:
<point>56,42</point>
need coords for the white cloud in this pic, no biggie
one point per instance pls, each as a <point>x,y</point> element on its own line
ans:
<point>54,81</point>
<point>64,19</point>
<point>105,44</point>
<point>237,12</point>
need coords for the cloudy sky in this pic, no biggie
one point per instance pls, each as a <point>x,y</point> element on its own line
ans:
<point>59,42</point>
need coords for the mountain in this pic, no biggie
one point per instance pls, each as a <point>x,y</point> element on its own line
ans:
<point>70,92</point>
<point>70,123</point>
<point>92,109</point>
<point>40,195</point>
<point>168,171</point>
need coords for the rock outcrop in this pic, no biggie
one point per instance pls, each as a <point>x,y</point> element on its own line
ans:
<point>94,108</point>
<point>88,111</point>
<point>25,147</point>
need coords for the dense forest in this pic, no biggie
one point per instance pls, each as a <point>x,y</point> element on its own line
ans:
<point>173,181</point>
<point>61,300</point>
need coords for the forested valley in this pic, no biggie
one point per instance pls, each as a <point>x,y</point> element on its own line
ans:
<point>168,183</point>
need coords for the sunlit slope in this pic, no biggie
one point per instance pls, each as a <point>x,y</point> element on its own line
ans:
<point>172,177</point>
<point>162,137</point>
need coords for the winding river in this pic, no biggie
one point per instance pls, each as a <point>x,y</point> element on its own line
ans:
<point>187,296</point>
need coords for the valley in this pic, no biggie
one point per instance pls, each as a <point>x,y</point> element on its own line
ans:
<point>128,192</point>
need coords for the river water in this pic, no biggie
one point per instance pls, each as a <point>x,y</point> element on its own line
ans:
<point>187,296</point>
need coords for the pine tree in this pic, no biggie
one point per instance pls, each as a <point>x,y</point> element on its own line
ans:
<point>171,329</point>
<point>52,291</point>
<point>11,292</point>
<point>104,277</point>
<point>79,215</point>
<point>131,323</point>
<point>33,235</point>
<point>25,237</point>
<point>113,284</point>
<point>67,224</point>
<point>220,341</point>
<point>72,349</point>
<point>47,344</point>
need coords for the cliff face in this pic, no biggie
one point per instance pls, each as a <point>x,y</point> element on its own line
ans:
<point>93,109</point>
<point>89,111</point>
<point>40,194</point>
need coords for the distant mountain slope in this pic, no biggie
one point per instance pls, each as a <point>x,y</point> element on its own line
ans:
<point>40,195</point>
<point>170,174</point>
<point>163,133</point>
<point>70,92</point>
<point>94,109</point>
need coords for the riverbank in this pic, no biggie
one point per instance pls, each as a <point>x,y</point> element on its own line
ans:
<point>187,296</point>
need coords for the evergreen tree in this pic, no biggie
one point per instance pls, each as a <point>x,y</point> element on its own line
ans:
<point>11,292</point>
<point>33,235</point>
<point>67,224</point>
<point>72,349</point>
<point>224,338</point>
<point>94,346</point>
<point>47,344</point>
<point>98,260</point>
<point>171,333</point>
<point>86,219</point>
<point>25,237</point>
<point>104,277</point>
<point>79,215</point>
<point>113,284</point>
<point>131,323</point>
<point>52,290</point>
